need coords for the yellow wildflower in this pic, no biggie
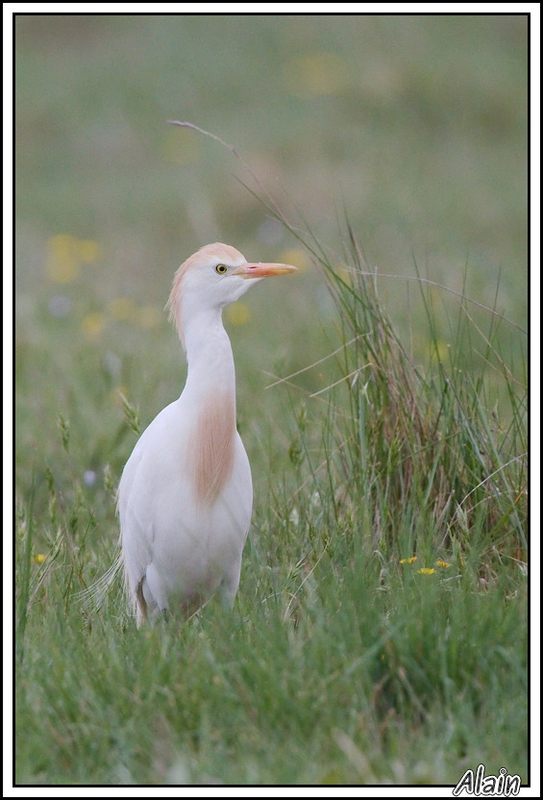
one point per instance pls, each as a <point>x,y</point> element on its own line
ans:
<point>121,308</point>
<point>66,253</point>
<point>237,313</point>
<point>316,74</point>
<point>93,325</point>
<point>150,316</point>
<point>296,257</point>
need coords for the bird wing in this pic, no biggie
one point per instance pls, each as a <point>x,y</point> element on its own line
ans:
<point>177,542</point>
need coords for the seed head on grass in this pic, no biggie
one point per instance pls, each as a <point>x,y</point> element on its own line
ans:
<point>130,413</point>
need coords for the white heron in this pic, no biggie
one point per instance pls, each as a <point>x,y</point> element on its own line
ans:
<point>185,495</point>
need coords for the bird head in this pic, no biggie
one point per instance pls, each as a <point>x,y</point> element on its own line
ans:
<point>213,277</point>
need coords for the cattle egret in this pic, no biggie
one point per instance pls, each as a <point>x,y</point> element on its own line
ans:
<point>185,495</point>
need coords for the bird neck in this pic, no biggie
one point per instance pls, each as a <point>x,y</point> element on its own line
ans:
<point>209,399</point>
<point>209,357</point>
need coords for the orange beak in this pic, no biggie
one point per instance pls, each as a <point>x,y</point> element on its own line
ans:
<point>263,270</point>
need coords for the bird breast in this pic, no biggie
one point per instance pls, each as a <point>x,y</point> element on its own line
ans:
<point>212,442</point>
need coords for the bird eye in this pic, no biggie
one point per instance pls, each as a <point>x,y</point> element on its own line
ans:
<point>221,269</point>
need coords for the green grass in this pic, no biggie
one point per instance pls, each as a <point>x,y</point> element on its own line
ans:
<point>384,409</point>
<point>380,630</point>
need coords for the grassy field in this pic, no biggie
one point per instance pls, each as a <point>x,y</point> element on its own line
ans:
<point>380,630</point>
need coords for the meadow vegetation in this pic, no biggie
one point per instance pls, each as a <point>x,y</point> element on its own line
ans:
<point>379,635</point>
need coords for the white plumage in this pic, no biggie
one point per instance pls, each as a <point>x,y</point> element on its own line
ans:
<point>185,495</point>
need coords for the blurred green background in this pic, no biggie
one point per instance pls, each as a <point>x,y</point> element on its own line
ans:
<point>414,127</point>
<point>416,124</point>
